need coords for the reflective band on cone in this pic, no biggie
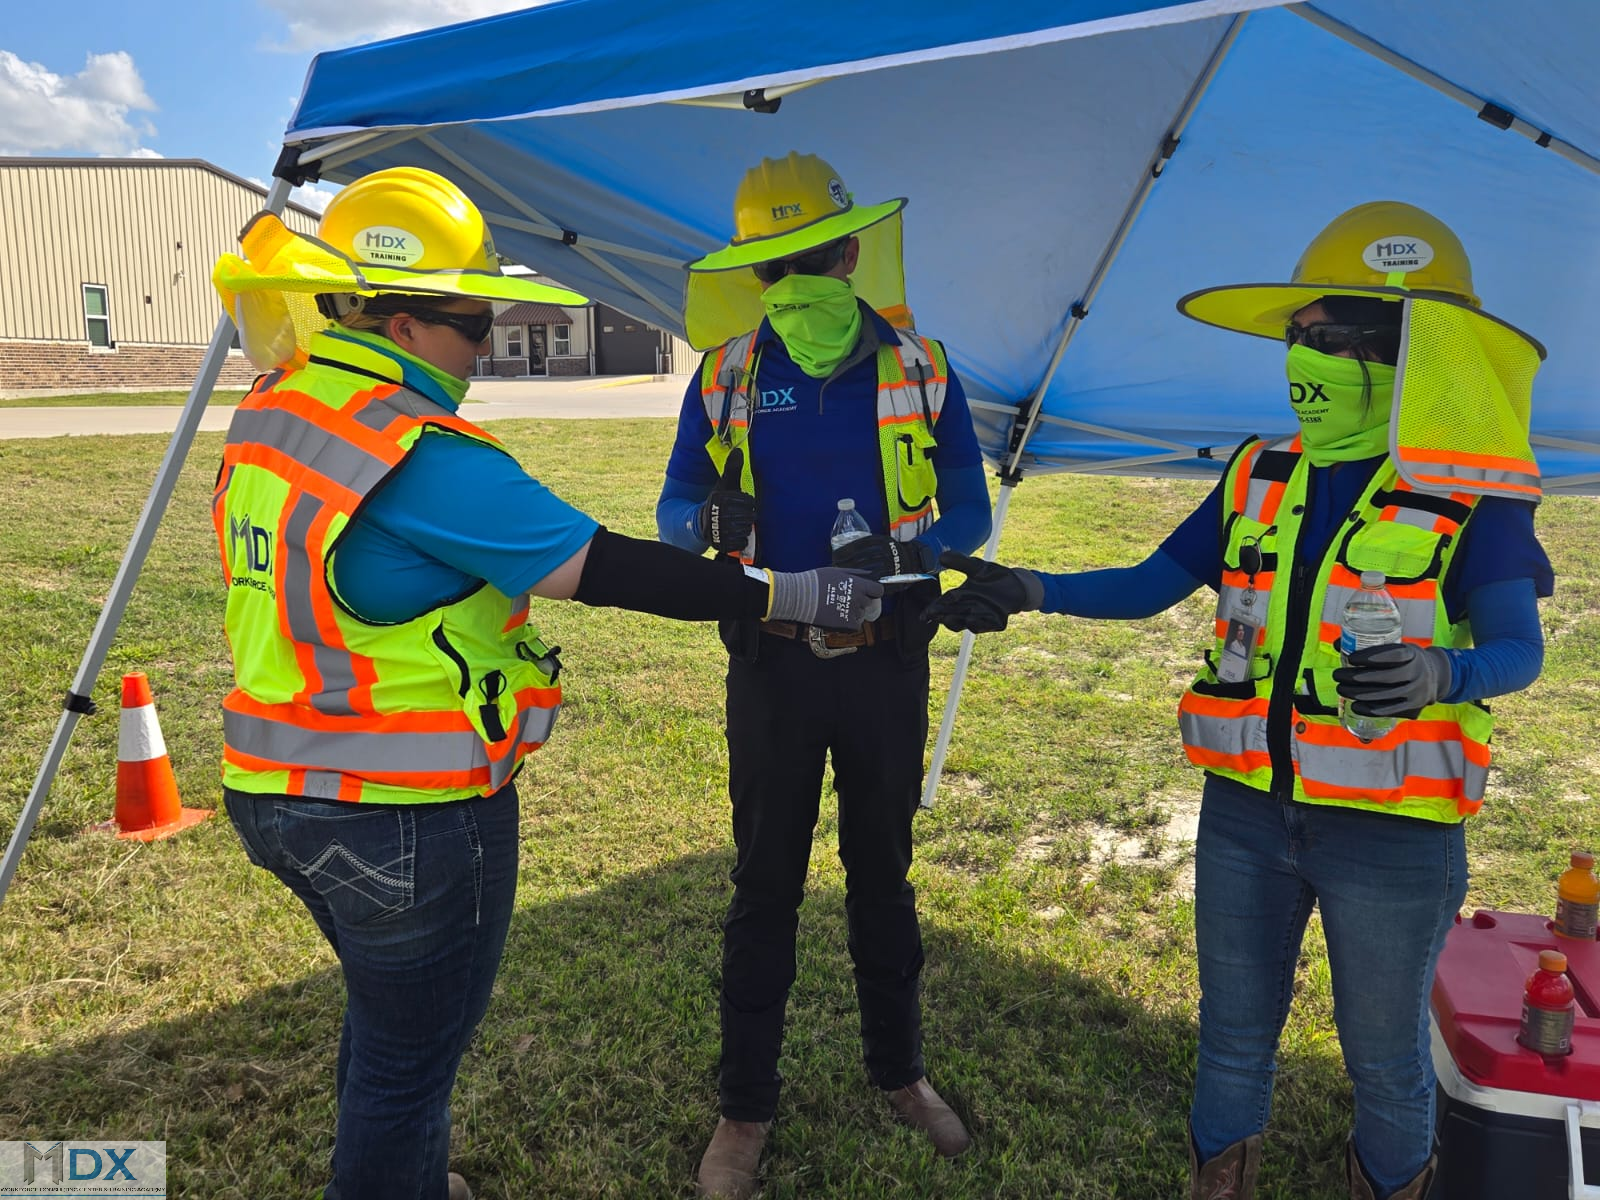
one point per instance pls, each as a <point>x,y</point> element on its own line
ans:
<point>147,794</point>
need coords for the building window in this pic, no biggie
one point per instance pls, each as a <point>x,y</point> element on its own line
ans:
<point>561,339</point>
<point>514,341</point>
<point>95,315</point>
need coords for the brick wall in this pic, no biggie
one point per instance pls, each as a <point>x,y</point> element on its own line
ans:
<point>576,365</point>
<point>69,366</point>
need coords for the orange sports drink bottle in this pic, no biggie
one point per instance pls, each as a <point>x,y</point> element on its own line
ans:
<point>1578,899</point>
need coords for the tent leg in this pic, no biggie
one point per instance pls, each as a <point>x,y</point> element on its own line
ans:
<point>930,787</point>
<point>121,588</point>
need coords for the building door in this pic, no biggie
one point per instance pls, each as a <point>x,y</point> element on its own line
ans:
<point>624,345</point>
<point>536,363</point>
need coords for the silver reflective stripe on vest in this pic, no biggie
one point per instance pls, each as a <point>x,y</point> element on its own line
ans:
<point>1416,615</point>
<point>728,401</point>
<point>378,415</point>
<point>310,445</point>
<point>1381,772</point>
<point>1235,736</point>
<point>332,662</point>
<point>355,752</point>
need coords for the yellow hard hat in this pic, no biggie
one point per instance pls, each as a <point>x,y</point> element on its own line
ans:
<point>409,218</point>
<point>1384,248</point>
<point>788,205</point>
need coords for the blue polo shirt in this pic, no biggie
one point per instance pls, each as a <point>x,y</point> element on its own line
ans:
<point>814,442</point>
<point>455,514</point>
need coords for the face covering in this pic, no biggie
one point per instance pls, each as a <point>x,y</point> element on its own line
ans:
<point>818,319</point>
<point>1329,395</point>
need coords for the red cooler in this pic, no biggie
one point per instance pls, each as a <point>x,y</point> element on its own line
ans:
<point>1513,1124</point>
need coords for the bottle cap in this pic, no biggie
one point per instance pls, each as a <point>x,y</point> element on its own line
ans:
<point>1373,579</point>
<point>1583,859</point>
<point>845,504</point>
<point>1553,961</point>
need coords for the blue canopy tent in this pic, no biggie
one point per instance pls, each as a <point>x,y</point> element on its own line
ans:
<point>1073,168</point>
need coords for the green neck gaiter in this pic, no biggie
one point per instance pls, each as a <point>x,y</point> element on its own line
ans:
<point>1329,395</point>
<point>439,386</point>
<point>818,319</point>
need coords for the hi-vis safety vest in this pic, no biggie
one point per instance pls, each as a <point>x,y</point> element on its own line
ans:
<point>329,706</point>
<point>1287,709</point>
<point>913,375</point>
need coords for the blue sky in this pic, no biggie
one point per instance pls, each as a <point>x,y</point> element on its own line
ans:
<point>216,80</point>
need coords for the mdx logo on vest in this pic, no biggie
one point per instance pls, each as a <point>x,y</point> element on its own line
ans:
<point>1398,253</point>
<point>250,552</point>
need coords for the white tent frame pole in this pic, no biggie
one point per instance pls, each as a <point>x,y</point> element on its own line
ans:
<point>1009,477</point>
<point>534,214</point>
<point>330,156</point>
<point>78,702</point>
<point>947,723</point>
<point>1505,120</point>
<point>1157,164</point>
<point>500,220</point>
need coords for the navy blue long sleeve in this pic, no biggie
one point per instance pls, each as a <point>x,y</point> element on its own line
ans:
<point>1509,650</point>
<point>1120,593</point>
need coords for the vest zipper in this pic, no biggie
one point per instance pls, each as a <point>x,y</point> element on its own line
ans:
<point>1281,708</point>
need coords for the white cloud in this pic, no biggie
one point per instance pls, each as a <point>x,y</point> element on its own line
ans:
<point>312,196</point>
<point>42,112</point>
<point>319,25</point>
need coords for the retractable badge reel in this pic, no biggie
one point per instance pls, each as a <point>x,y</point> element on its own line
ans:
<point>1245,621</point>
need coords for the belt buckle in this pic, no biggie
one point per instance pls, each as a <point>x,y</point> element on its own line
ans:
<point>818,639</point>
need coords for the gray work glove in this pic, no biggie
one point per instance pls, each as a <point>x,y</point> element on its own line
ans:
<point>829,596</point>
<point>987,599</point>
<point>881,556</point>
<point>1397,679</point>
<point>727,515</point>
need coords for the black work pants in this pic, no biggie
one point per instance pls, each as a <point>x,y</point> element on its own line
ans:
<point>787,710</point>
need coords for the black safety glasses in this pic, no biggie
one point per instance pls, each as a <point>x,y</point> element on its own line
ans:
<point>1375,342</point>
<point>813,262</point>
<point>474,327</point>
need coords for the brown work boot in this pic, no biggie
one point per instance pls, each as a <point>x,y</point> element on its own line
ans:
<point>728,1167</point>
<point>1361,1187</point>
<point>920,1106</point>
<point>458,1188</point>
<point>1230,1175</point>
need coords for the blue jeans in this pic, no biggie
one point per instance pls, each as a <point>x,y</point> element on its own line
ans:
<point>416,901</point>
<point>1389,889</point>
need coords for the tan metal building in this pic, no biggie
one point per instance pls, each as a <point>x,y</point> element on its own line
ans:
<point>105,270</point>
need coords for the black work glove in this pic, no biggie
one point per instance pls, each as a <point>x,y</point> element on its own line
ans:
<point>727,515</point>
<point>829,596</point>
<point>1395,680</point>
<point>987,599</point>
<point>881,556</point>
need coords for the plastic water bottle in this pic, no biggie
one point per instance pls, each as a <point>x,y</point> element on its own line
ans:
<point>1577,899</point>
<point>1371,618</point>
<point>848,525</point>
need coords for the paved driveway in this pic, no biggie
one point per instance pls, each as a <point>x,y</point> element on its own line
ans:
<point>501,399</point>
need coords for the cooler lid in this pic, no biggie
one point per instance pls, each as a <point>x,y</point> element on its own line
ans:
<point>1477,1004</point>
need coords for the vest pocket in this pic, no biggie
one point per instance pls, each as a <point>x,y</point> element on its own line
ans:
<point>915,478</point>
<point>1404,553</point>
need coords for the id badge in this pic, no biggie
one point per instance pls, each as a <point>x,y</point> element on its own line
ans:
<point>1238,643</point>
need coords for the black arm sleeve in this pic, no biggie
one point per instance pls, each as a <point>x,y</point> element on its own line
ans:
<point>625,572</point>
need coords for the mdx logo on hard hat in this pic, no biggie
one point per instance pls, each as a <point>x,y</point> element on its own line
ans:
<point>389,246</point>
<point>1399,253</point>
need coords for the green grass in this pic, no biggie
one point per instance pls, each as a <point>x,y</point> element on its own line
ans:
<point>173,991</point>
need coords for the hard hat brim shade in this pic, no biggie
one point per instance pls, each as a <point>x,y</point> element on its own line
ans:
<point>279,259</point>
<point>1264,309</point>
<point>796,241</point>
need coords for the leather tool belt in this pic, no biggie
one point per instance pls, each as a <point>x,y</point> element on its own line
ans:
<point>831,643</point>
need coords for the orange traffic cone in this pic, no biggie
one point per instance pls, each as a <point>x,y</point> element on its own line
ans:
<point>147,794</point>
